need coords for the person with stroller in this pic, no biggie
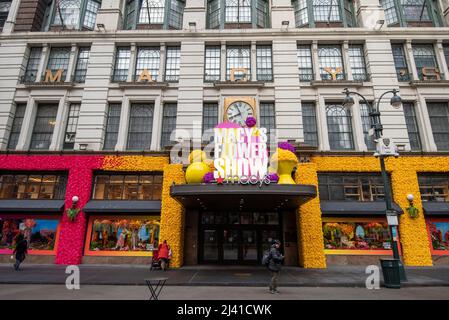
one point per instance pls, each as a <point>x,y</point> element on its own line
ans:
<point>164,255</point>
<point>20,251</point>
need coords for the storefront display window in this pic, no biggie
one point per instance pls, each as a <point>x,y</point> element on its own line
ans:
<point>356,235</point>
<point>439,235</point>
<point>41,233</point>
<point>34,186</point>
<point>122,235</point>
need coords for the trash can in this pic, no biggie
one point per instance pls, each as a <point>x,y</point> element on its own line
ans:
<point>391,273</point>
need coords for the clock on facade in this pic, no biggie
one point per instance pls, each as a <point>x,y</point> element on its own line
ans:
<point>238,111</point>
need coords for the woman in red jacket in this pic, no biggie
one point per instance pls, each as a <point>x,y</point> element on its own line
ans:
<point>164,254</point>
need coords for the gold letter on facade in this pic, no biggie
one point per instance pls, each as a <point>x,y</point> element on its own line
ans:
<point>145,75</point>
<point>243,70</point>
<point>50,78</point>
<point>332,72</point>
<point>432,73</point>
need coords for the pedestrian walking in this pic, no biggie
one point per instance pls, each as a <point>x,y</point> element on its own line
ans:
<point>273,260</point>
<point>20,251</point>
<point>164,254</point>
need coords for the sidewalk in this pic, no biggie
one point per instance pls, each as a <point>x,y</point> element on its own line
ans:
<point>252,276</point>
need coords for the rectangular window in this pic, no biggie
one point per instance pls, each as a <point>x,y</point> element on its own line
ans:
<point>140,126</point>
<point>357,62</point>
<point>400,62</point>
<point>172,64</point>
<point>356,234</point>
<point>262,13</point>
<point>153,8</point>
<point>210,120</point>
<point>5,7</point>
<point>326,11</point>
<point>446,53</point>
<point>415,10</point>
<point>81,64</point>
<point>238,58</point>
<point>112,126</point>
<point>331,62</point>
<point>72,124</point>
<point>439,120</point>
<point>426,62</point>
<point>121,67</point>
<point>268,119</point>
<point>148,60</point>
<point>434,187</point>
<point>351,187</point>
<point>67,13</point>
<point>176,14</point>
<point>264,63</point>
<point>127,187</point>
<point>58,60</point>
<point>168,124</point>
<point>16,125</point>
<point>412,126</point>
<point>91,13</point>
<point>44,126</point>
<point>366,125</point>
<point>130,14</point>
<point>238,11</point>
<point>305,63</point>
<point>212,63</point>
<point>339,127</point>
<point>32,186</point>
<point>214,13</point>
<point>310,127</point>
<point>439,234</point>
<point>301,14</point>
<point>32,65</point>
<point>389,7</point>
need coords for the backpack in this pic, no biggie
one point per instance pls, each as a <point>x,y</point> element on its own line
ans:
<point>266,258</point>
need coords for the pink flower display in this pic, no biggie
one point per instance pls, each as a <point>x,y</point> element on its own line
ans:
<point>286,146</point>
<point>208,177</point>
<point>250,122</point>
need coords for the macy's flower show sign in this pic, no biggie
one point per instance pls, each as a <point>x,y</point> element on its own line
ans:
<point>241,154</point>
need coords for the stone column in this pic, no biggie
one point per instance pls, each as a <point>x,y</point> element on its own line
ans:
<point>172,214</point>
<point>368,13</point>
<point>412,231</point>
<point>110,15</point>
<point>309,225</point>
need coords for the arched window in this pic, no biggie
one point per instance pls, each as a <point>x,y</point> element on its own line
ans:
<point>413,13</point>
<point>154,14</point>
<point>237,13</point>
<point>339,127</point>
<point>324,13</point>
<point>72,14</point>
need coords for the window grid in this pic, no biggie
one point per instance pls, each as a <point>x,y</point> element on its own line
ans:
<point>434,187</point>
<point>412,126</point>
<point>264,63</point>
<point>446,53</point>
<point>439,120</point>
<point>309,123</point>
<point>168,124</point>
<point>16,125</point>
<point>366,126</point>
<point>72,124</point>
<point>268,118</point>
<point>210,120</point>
<point>212,63</point>
<point>148,58</point>
<point>68,13</point>
<point>176,14</point>
<point>301,14</point>
<point>305,63</point>
<point>330,57</point>
<point>59,59</point>
<point>238,57</point>
<point>5,7</point>
<point>32,186</point>
<point>130,14</point>
<point>424,56</point>
<point>214,12</point>
<point>172,63</point>
<point>112,126</point>
<point>339,126</point>
<point>33,64</point>
<point>91,13</point>
<point>81,64</point>
<point>391,16</point>
<point>156,10</point>
<point>122,60</point>
<point>326,10</point>
<point>44,126</point>
<point>140,126</point>
<point>357,62</point>
<point>400,62</point>
<point>238,11</point>
<point>412,10</point>
<point>262,13</point>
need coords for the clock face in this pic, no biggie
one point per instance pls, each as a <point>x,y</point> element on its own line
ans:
<point>238,111</point>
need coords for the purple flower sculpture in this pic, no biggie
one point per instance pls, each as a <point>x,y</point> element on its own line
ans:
<point>286,146</point>
<point>250,122</point>
<point>273,177</point>
<point>208,177</point>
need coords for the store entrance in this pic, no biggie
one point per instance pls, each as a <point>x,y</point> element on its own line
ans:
<point>236,237</point>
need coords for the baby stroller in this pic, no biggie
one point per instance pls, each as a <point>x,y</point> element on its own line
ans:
<point>155,261</point>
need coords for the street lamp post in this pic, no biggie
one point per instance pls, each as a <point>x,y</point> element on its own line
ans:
<point>376,124</point>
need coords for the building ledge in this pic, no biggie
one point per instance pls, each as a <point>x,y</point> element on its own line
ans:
<point>239,84</point>
<point>135,84</point>
<point>429,83</point>
<point>49,85</point>
<point>326,83</point>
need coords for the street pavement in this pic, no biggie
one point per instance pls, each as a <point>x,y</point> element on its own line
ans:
<point>98,292</point>
<point>238,276</point>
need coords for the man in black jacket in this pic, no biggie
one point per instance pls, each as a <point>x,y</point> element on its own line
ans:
<point>274,265</point>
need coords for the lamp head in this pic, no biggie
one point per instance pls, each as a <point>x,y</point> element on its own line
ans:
<point>348,101</point>
<point>410,197</point>
<point>75,199</point>
<point>396,100</point>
